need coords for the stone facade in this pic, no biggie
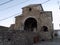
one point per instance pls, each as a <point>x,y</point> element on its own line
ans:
<point>34,13</point>
<point>35,19</point>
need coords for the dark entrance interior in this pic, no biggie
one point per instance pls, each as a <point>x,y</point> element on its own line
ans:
<point>30,24</point>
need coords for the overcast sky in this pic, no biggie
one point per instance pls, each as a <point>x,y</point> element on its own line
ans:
<point>12,8</point>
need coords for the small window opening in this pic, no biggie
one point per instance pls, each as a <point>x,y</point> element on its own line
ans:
<point>30,9</point>
<point>44,28</point>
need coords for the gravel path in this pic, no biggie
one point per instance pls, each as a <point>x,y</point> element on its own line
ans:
<point>48,43</point>
<point>54,42</point>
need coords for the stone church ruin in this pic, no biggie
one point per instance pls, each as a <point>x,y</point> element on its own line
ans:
<point>32,26</point>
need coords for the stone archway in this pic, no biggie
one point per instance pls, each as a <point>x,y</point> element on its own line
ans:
<point>30,24</point>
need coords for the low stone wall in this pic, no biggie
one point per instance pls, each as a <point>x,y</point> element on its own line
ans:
<point>17,37</point>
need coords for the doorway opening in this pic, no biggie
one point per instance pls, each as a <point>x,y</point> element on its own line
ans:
<point>30,24</point>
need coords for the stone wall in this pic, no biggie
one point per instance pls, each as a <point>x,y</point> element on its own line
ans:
<point>18,37</point>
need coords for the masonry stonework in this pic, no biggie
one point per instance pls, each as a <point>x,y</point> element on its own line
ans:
<point>43,18</point>
<point>35,19</point>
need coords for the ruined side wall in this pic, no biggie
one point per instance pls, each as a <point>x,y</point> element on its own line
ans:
<point>46,20</point>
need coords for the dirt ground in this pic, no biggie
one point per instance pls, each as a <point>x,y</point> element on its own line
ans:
<point>55,41</point>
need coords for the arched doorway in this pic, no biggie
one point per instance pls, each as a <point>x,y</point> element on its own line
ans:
<point>30,24</point>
